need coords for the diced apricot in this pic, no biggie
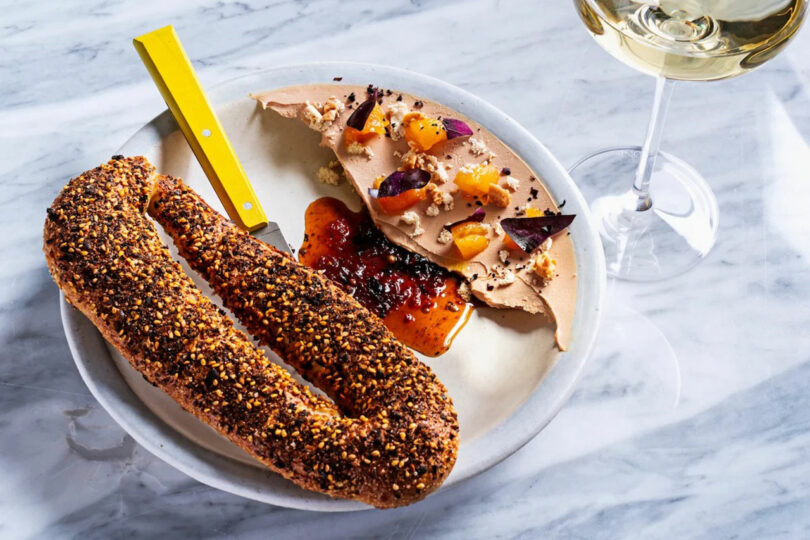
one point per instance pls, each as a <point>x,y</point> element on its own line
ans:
<point>375,125</point>
<point>470,239</point>
<point>423,132</point>
<point>531,211</point>
<point>475,181</point>
<point>396,204</point>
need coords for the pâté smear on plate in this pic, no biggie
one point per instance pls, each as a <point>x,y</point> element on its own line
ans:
<point>390,142</point>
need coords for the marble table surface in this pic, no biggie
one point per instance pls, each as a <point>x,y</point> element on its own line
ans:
<point>726,455</point>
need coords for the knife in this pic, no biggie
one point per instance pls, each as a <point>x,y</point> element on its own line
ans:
<point>171,70</point>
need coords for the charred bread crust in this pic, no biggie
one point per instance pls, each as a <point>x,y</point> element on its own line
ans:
<point>391,435</point>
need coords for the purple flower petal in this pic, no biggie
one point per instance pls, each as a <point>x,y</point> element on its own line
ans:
<point>530,232</point>
<point>360,115</point>
<point>401,181</point>
<point>477,216</point>
<point>456,128</point>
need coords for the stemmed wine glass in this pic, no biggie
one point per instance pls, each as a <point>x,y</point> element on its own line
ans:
<point>657,215</point>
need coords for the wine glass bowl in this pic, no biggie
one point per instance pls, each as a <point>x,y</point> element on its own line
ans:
<point>693,40</point>
<point>658,216</point>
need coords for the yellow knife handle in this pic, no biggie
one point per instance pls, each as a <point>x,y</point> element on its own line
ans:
<point>169,66</point>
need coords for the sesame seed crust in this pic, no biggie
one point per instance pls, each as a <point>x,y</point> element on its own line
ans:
<point>390,434</point>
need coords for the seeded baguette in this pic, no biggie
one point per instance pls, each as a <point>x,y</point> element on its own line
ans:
<point>390,435</point>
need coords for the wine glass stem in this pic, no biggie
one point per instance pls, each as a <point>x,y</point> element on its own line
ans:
<point>641,185</point>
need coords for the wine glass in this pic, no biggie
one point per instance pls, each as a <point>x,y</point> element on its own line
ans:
<point>657,215</point>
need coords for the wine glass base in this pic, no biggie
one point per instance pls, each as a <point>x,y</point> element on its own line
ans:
<point>671,236</point>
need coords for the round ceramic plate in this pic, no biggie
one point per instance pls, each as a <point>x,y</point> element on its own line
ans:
<point>503,372</point>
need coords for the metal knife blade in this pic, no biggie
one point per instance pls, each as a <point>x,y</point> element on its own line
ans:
<point>271,234</point>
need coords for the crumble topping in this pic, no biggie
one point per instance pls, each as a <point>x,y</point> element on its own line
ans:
<point>447,202</point>
<point>498,229</point>
<point>412,218</point>
<point>503,255</point>
<point>328,176</point>
<point>468,168</point>
<point>360,149</point>
<point>445,236</point>
<point>503,276</point>
<point>396,113</point>
<point>478,147</point>
<point>320,117</point>
<point>432,210</point>
<point>512,183</point>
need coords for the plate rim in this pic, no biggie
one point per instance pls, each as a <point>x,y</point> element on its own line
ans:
<point>244,480</point>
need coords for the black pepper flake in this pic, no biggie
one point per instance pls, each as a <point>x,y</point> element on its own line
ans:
<point>563,203</point>
<point>351,97</point>
<point>534,193</point>
<point>478,203</point>
<point>532,179</point>
<point>118,157</point>
<point>418,104</point>
<point>506,171</point>
<point>474,277</point>
<point>337,79</point>
<point>399,97</point>
<point>490,286</point>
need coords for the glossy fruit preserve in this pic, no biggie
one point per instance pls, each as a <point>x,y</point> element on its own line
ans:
<point>417,300</point>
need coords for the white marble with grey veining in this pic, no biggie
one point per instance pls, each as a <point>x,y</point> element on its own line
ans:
<point>730,460</point>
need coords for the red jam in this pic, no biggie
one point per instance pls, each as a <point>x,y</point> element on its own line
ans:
<point>417,300</point>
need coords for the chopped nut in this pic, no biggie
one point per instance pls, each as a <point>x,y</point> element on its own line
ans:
<point>464,291</point>
<point>512,183</point>
<point>434,193</point>
<point>320,117</point>
<point>413,159</point>
<point>544,266</point>
<point>498,196</point>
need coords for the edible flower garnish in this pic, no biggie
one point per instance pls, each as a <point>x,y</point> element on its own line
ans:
<point>530,232</point>
<point>456,128</point>
<point>360,115</point>
<point>477,216</point>
<point>400,181</point>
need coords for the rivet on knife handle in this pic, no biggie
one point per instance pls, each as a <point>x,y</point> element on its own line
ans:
<point>169,66</point>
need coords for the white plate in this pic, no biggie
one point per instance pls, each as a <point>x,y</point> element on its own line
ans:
<point>503,372</point>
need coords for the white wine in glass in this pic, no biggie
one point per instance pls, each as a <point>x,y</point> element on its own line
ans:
<point>667,221</point>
